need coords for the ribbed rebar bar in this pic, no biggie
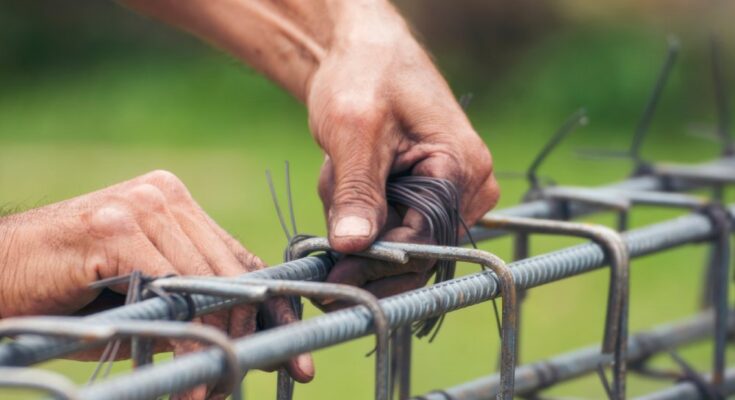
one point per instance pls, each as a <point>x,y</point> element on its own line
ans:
<point>29,350</point>
<point>687,390</point>
<point>564,367</point>
<point>281,343</point>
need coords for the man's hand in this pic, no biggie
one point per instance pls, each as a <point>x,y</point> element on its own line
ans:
<point>377,106</point>
<point>50,255</point>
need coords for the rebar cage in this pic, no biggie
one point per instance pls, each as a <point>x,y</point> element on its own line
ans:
<point>546,209</point>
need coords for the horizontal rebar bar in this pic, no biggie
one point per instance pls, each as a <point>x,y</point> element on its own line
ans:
<point>30,350</point>
<point>278,344</point>
<point>542,374</point>
<point>27,350</point>
<point>687,390</point>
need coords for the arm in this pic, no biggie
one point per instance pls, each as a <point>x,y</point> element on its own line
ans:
<point>377,106</point>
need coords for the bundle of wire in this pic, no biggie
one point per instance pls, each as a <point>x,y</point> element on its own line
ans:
<point>437,200</point>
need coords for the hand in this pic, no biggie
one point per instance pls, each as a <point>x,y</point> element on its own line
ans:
<point>379,107</point>
<point>50,255</point>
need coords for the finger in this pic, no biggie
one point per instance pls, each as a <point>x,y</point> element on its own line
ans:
<point>242,318</point>
<point>353,270</point>
<point>127,247</point>
<point>158,222</point>
<point>477,188</point>
<point>357,208</point>
<point>358,271</point>
<point>484,200</point>
<point>243,321</point>
<point>394,285</point>
<point>166,233</point>
<point>163,230</point>
<point>191,221</point>
<point>277,312</point>
<point>198,393</point>
<point>386,287</point>
<point>131,250</point>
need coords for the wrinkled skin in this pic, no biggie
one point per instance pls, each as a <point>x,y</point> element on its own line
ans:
<point>151,224</point>
<point>380,110</point>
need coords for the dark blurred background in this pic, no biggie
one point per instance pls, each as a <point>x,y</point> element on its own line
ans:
<point>92,94</point>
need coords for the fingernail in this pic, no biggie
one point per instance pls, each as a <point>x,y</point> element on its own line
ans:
<point>352,227</point>
<point>305,365</point>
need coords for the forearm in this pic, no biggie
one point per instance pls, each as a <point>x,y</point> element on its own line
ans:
<point>285,41</point>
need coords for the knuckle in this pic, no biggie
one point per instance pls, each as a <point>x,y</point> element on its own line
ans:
<point>111,220</point>
<point>351,107</point>
<point>148,197</point>
<point>168,183</point>
<point>481,156</point>
<point>493,194</point>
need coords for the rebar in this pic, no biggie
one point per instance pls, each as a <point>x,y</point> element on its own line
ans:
<point>315,290</point>
<point>100,333</point>
<point>644,123</point>
<point>537,376</point>
<point>30,350</point>
<point>502,274</point>
<point>616,320</point>
<point>278,344</point>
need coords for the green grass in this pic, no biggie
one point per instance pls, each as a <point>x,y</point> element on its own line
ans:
<point>219,127</point>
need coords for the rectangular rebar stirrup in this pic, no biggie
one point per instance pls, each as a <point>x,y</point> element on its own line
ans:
<point>383,383</point>
<point>56,385</point>
<point>720,259</point>
<point>262,349</point>
<point>314,290</point>
<point>502,273</point>
<point>616,320</point>
<point>99,333</point>
<point>27,350</point>
<point>534,377</point>
<point>676,200</point>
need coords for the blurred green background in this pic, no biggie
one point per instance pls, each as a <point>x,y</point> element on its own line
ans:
<point>92,94</point>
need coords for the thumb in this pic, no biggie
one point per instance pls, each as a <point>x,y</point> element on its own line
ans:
<point>357,205</point>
